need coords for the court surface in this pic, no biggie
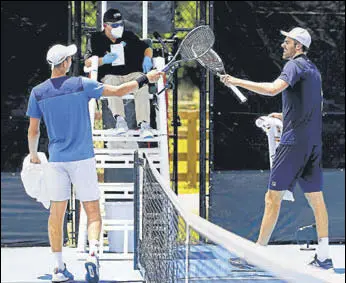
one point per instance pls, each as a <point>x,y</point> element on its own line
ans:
<point>34,264</point>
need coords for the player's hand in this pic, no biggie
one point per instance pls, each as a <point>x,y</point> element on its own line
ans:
<point>34,159</point>
<point>147,64</point>
<point>109,58</point>
<point>227,80</point>
<point>154,75</point>
<point>276,115</point>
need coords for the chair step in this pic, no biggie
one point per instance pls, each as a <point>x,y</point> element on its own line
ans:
<point>121,151</point>
<point>116,191</point>
<point>130,96</point>
<point>106,255</point>
<point>121,161</point>
<point>131,135</point>
<point>117,187</point>
<point>117,224</point>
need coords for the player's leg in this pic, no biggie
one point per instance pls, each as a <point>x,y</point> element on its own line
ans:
<point>311,182</point>
<point>271,213</point>
<point>322,257</point>
<point>58,183</point>
<point>92,210</point>
<point>286,167</point>
<point>316,201</point>
<point>84,177</point>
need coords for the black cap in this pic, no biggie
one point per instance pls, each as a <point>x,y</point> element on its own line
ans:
<point>112,15</point>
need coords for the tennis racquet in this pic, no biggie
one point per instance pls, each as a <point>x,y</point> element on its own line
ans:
<point>212,61</point>
<point>194,45</point>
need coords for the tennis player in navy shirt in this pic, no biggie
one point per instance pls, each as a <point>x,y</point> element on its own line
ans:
<point>62,102</point>
<point>298,157</point>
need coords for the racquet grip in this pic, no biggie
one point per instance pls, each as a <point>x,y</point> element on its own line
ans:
<point>237,92</point>
<point>166,68</point>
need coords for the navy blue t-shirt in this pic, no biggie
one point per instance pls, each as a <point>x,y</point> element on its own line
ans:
<point>302,102</point>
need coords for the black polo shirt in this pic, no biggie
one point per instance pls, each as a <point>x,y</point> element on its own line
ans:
<point>99,44</point>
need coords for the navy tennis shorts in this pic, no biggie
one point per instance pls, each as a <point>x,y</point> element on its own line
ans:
<point>297,163</point>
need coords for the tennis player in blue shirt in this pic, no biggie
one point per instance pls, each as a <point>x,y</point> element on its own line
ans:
<point>62,102</point>
<point>298,157</point>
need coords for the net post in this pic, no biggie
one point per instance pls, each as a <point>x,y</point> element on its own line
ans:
<point>211,119</point>
<point>136,190</point>
<point>175,123</point>
<point>202,131</point>
<point>78,36</point>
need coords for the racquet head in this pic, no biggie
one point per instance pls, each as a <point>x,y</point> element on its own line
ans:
<point>212,61</point>
<point>196,43</point>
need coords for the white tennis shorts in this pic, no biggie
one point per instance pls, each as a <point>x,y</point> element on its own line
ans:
<point>59,176</point>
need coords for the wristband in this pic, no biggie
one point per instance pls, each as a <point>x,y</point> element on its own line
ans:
<point>142,80</point>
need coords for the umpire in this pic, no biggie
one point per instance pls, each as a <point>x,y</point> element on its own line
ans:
<point>122,57</point>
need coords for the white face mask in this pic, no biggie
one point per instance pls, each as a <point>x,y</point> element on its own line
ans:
<point>117,32</point>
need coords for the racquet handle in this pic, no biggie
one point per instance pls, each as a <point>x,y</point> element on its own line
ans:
<point>237,92</point>
<point>166,68</point>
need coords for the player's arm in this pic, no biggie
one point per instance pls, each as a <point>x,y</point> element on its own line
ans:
<point>33,138</point>
<point>268,89</point>
<point>109,90</point>
<point>152,76</point>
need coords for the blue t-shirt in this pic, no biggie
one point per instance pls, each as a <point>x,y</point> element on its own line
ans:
<point>302,102</point>
<point>63,104</point>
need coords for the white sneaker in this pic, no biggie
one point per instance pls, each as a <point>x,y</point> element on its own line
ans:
<point>121,127</point>
<point>61,275</point>
<point>146,130</point>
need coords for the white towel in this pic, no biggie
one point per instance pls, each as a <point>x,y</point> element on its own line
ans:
<point>32,176</point>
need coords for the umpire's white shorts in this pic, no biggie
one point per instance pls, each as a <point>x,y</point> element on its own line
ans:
<point>82,174</point>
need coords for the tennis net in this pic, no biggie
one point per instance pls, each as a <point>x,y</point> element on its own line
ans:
<point>173,245</point>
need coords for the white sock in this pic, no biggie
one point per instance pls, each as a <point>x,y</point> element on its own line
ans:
<point>323,249</point>
<point>58,261</point>
<point>93,247</point>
